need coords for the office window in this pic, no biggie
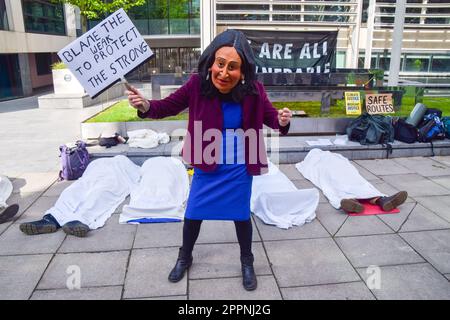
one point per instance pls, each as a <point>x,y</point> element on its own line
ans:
<point>43,63</point>
<point>41,16</point>
<point>440,63</point>
<point>416,63</point>
<point>3,16</point>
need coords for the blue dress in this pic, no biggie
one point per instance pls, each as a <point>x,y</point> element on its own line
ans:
<point>223,194</point>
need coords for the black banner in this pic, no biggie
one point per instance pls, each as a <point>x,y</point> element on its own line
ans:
<point>293,51</point>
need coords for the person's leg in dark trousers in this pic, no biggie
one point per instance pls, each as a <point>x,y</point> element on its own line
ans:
<point>191,230</point>
<point>244,232</point>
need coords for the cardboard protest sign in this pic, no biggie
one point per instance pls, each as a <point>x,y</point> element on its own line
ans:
<point>379,103</point>
<point>352,103</point>
<point>106,53</point>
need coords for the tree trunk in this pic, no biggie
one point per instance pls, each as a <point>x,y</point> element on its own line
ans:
<point>84,25</point>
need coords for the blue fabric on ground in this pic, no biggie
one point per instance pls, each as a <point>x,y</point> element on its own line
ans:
<point>153,220</point>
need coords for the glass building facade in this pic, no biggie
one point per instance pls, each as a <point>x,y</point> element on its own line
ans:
<point>165,17</point>
<point>42,16</point>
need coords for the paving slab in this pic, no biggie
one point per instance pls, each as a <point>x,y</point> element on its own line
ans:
<point>366,174</point>
<point>363,225</point>
<point>396,220</point>
<point>378,250</point>
<point>291,172</point>
<point>57,188</point>
<point>410,282</point>
<point>164,298</point>
<point>443,159</point>
<point>383,167</point>
<point>15,242</point>
<point>148,272</point>
<point>426,167</point>
<point>438,204</point>
<point>24,200</point>
<point>37,210</point>
<point>297,262</point>
<point>158,235</point>
<point>307,231</point>
<point>434,246</point>
<point>221,232</point>
<point>423,219</point>
<point>34,182</point>
<point>102,293</point>
<point>306,184</point>
<point>19,275</point>
<point>341,291</point>
<point>223,260</point>
<point>416,185</point>
<point>331,218</point>
<point>5,226</point>
<point>111,237</point>
<point>443,181</point>
<point>232,289</point>
<point>95,270</point>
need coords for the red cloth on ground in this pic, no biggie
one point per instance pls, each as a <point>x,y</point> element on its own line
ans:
<point>372,209</point>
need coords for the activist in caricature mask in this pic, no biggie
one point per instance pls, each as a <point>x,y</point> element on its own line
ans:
<point>216,99</point>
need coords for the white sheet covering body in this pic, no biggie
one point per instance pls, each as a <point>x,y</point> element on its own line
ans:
<point>94,197</point>
<point>336,177</point>
<point>161,193</point>
<point>276,200</point>
<point>6,189</point>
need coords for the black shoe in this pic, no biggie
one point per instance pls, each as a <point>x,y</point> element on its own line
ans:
<point>392,202</point>
<point>9,212</point>
<point>184,261</point>
<point>48,224</point>
<point>76,228</point>
<point>248,273</point>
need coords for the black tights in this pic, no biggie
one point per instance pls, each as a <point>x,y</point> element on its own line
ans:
<point>191,229</point>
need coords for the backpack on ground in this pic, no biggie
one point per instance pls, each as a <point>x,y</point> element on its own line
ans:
<point>431,128</point>
<point>371,129</point>
<point>404,131</point>
<point>438,112</point>
<point>446,123</point>
<point>74,161</point>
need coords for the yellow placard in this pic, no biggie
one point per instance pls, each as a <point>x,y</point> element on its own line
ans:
<point>379,103</point>
<point>352,103</point>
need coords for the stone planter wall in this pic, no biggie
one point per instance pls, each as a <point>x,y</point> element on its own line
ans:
<point>299,126</point>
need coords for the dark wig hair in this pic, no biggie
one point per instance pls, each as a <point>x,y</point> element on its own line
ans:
<point>237,40</point>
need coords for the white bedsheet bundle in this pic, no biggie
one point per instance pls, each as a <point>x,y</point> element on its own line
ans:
<point>161,193</point>
<point>5,190</point>
<point>276,200</point>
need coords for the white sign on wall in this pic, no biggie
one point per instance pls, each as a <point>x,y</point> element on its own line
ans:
<point>104,54</point>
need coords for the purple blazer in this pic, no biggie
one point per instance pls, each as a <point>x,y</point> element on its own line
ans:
<point>206,114</point>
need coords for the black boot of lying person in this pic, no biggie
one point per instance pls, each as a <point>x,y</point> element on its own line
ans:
<point>47,224</point>
<point>8,212</point>
<point>392,202</point>
<point>76,228</point>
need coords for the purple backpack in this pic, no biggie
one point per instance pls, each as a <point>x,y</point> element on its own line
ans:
<point>74,161</point>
